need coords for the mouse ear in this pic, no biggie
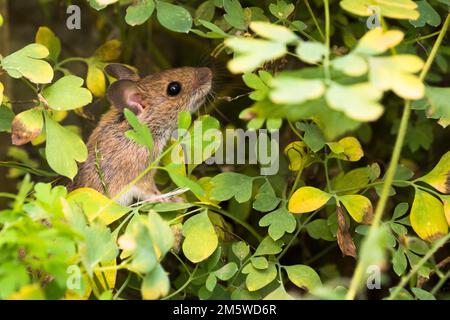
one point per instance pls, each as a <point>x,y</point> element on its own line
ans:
<point>125,94</point>
<point>121,72</point>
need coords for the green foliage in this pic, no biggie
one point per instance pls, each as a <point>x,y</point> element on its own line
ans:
<point>346,100</point>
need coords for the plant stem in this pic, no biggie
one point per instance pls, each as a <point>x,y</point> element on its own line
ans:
<point>313,16</point>
<point>326,62</point>
<point>440,283</point>
<point>416,267</point>
<point>358,276</point>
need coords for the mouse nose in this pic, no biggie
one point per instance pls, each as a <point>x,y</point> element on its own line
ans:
<point>204,75</point>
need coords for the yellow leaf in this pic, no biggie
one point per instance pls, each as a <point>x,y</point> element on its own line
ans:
<point>439,177</point>
<point>347,148</point>
<point>307,199</point>
<point>395,73</point>
<point>428,217</point>
<point>1,92</point>
<point>359,207</point>
<point>46,37</point>
<point>446,201</point>
<point>28,292</point>
<point>95,80</point>
<point>96,205</point>
<point>296,152</point>
<point>110,274</point>
<point>377,41</point>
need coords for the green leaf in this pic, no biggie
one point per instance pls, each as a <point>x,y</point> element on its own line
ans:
<point>98,245</point>
<point>307,199</point>
<point>211,282</point>
<point>139,12</point>
<point>311,52</point>
<point>184,120</point>
<point>240,250</point>
<point>428,217</point>
<point>141,133</point>
<point>295,90</point>
<point>436,103</point>
<point>251,53</point>
<point>400,210</point>
<point>63,148</point>
<point>351,64</point>
<point>183,181</point>
<point>46,37</point>
<point>205,11</point>
<point>268,247</point>
<point>279,222</point>
<point>200,238</point>
<point>303,276</point>
<point>266,200</point>
<point>281,10</point>
<point>355,179</point>
<point>173,17</point>
<point>278,294</point>
<point>399,262</point>
<point>156,284</point>
<point>230,184</point>
<point>319,229</point>
<point>27,63</point>
<point>439,177</point>
<point>257,279</point>
<point>234,14</point>
<point>67,94</point>
<point>313,136</point>
<point>227,271</point>
<point>6,117</point>
<point>428,15</point>
<point>259,263</point>
<point>422,294</point>
<point>358,101</point>
<point>258,83</point>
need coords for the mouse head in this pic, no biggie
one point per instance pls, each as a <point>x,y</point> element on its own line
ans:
<point>163,93</point>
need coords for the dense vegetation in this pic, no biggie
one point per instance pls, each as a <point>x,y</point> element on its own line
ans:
<point>360,205</point>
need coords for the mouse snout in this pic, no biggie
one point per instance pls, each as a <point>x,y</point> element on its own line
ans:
<point>203,76</point>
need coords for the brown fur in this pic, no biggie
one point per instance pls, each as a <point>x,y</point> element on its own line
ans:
<point>121,159</point>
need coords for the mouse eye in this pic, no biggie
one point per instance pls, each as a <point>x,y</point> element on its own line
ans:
<point>173,88</point>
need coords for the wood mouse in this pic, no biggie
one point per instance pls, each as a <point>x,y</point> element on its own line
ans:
<point>156,100</point>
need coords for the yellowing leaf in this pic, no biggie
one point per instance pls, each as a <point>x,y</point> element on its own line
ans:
<point>156,284</point>
<point>46,37</point>
<point>358,101</point>
<point>28,292</point>
<point>273,32</point>
<point>257,279</point>
<point>439,177</point>
<point>347,148</point>
<point>95,80</point>
<point>295,90</point>
<point>297,154</point>
<point>303,276</point>
<point>359,207</point>
<point>428,217</point>
<point>27,62</point>
<point>395,73</point>
<point>307,199</point>
<point>109,51</point>
<point>251,53</point>
<point>397,9</point>
<point>26,126</point>
<point>200,238</point>
<point>446,201</point>
<point>377,41</point>
<point>96,206</point>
